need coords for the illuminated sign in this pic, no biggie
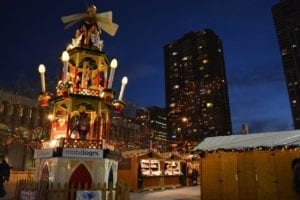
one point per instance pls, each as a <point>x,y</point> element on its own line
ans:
<point>82,153</point>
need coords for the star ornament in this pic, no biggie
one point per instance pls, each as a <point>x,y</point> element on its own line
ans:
<point>103,20</point>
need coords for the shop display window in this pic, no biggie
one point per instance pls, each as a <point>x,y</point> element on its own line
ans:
<point>172,168</point>
<point>150,167</point>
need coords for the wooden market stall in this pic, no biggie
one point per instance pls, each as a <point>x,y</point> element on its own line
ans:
<point>147,169</point>
<point>174,169</point>
<point>192,169</point>
<point>248,167</point>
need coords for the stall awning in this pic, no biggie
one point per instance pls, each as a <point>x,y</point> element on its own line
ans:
<point>270,139</point>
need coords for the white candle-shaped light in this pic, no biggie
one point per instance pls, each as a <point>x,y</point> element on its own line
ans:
<point>42,70</point>
<point>113,66</point>
<point>65,58</point>
<point>124,83</point>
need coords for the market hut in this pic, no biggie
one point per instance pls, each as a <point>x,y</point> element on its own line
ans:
<point>192,169</point>
<point>174,169</point>
<point>141,169</point>
<point>248,167</point>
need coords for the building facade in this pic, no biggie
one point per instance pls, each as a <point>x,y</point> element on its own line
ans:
<point>22,123</point>
<point>18,115</point>
<point>286,15</point>
<point>197,102</point>
<point>125,133</point>
<point>158,127</point>
<point>154,127</point>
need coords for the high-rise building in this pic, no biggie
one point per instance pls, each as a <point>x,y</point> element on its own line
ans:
<point>197,102</point>
<point>158,127</point>
<point>286,15</point>
<point>154,127</point>
<point>143,119</point>
<point>125,133</point>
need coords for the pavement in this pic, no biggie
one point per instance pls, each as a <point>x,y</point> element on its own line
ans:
<point>183,193</point>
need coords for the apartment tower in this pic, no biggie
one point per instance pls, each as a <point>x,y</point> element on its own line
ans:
<point>197,102</point>
<point>286,15</point>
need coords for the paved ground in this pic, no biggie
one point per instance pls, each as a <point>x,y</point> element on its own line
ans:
<point>184,193</point>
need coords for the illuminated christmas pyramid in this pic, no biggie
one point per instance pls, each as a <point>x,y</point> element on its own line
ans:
<point>78,150</point>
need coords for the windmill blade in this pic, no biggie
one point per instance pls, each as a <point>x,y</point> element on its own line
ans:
<point>70,18</point>
<point>68,25</point>
<point>110,28</point>
<point>105,17</point>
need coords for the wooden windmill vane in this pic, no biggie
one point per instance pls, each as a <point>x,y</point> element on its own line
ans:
<point>93,21</point>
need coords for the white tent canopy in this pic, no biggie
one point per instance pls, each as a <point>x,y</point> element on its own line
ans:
<point>270,139</point>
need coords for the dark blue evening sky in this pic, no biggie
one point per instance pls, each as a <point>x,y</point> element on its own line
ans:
<point>32,33</point>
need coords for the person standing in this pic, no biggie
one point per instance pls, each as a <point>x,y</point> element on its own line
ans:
<point>4,176</point>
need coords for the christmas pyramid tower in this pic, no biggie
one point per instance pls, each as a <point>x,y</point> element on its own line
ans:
<point>78,150</point>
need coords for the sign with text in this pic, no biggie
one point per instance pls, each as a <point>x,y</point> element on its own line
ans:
<point>82,153</point>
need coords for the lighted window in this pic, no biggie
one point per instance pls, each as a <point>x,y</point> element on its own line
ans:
<point>209,105</point>
<point>219,50</point>
<point>205,61</point>
<point>184,58</point>
<point>174,53</point>
<point>294,101</point>
<point>294,46</point>
<point>30,113</point>
<point>176,86</point>
<point>172,105</point>
<point>284,52</point>
<point>200,47</point>
<point>201,68</point>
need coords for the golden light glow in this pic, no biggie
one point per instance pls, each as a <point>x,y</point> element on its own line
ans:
<point>209,105</point>
<point>184,119</point>
<point>51,117</point>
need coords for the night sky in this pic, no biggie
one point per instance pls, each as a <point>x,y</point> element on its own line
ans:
<point>32,33</point>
